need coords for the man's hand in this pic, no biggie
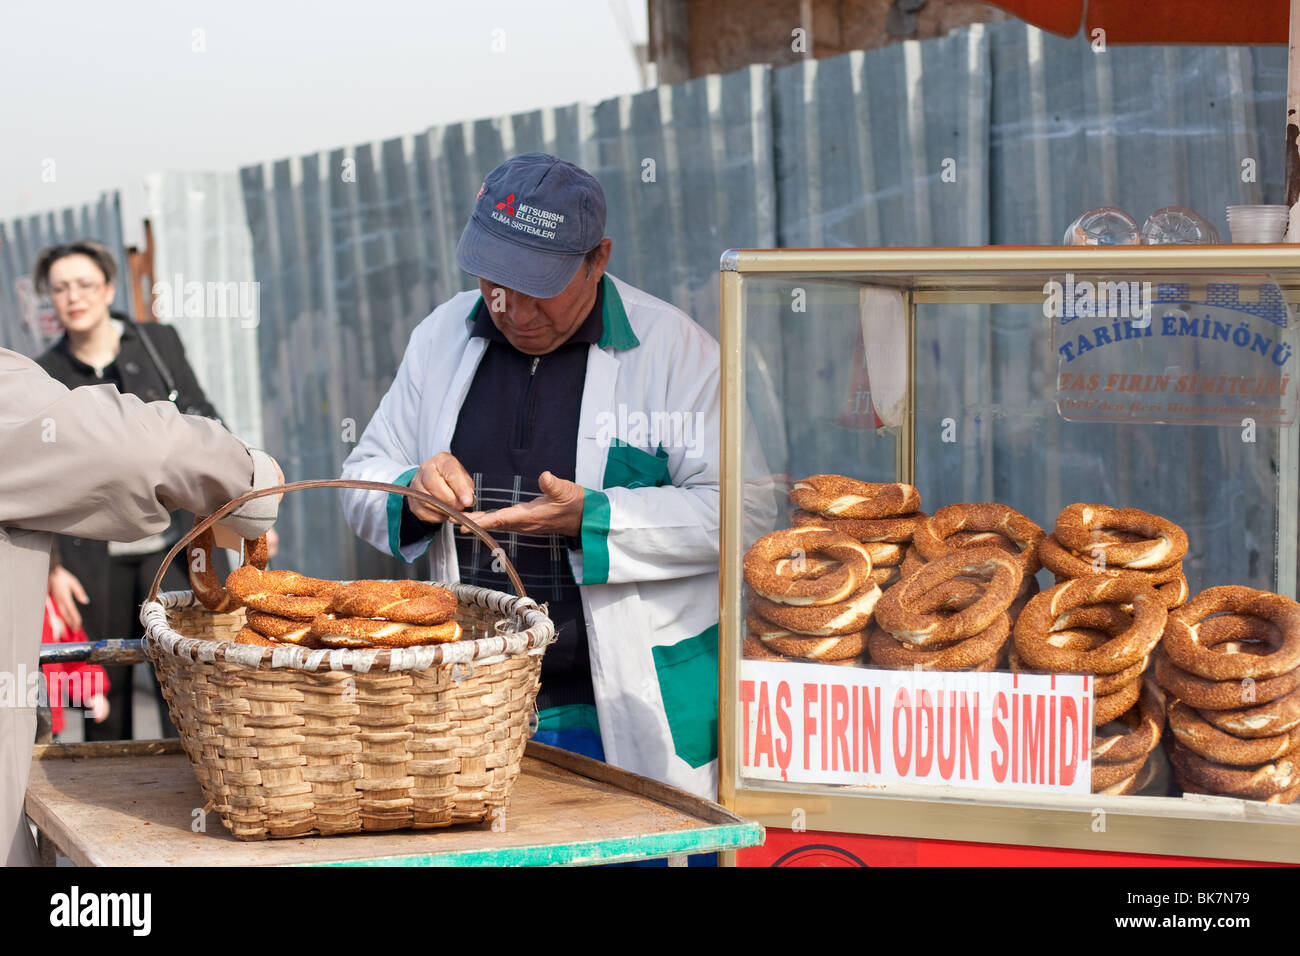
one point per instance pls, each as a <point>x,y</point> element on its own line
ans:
<point>444,478</point>
<point>558,511</point>
<point>66,591</point>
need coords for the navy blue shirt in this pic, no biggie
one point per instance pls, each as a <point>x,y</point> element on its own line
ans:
<point>519,419</point>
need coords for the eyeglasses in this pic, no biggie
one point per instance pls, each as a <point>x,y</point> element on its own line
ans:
<point>82,288</point>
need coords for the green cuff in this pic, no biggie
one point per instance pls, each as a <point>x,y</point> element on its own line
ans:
<point>595,537</point>
<point>395,513</point>
<point>569,717</point>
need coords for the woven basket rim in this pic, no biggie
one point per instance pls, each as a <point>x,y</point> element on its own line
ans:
<point>537,632</point>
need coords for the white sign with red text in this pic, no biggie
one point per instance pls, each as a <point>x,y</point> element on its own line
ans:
<point>816,723</point>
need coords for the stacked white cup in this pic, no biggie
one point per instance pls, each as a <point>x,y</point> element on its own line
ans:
<point>1257,224</point>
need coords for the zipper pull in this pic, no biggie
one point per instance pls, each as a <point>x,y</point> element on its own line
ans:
<point>537,360</point>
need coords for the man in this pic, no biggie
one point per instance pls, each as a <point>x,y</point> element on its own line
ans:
<point>579,418</point>
<point>99,464</point>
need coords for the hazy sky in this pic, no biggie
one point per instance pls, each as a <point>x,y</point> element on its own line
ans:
<point>99,94</point>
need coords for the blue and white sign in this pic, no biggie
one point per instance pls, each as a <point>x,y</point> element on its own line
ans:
<point>1203,352</point>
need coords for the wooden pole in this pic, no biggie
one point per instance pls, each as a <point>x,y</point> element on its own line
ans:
<point>140,266</point>
<point>1293,126</point>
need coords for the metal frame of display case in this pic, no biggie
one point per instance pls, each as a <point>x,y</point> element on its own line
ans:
<point>1211,827</point>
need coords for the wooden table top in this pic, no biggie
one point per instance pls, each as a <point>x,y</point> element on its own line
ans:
<point>138,804</point>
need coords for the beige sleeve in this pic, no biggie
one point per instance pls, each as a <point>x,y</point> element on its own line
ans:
<point>96,463</point>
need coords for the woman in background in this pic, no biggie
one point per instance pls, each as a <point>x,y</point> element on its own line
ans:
<point>143,359</point>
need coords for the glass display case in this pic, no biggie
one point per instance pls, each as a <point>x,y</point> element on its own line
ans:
<point>1137,406</point>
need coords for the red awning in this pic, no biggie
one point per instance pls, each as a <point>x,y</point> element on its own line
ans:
<point>1160,21</point>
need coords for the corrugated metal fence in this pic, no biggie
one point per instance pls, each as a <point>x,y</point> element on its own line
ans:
<point>989,135</point>
<point>1140,128</point>
<point>202,244</point>
<point>22,239</point>
<point>1002,136</point>
<point>997,135</point>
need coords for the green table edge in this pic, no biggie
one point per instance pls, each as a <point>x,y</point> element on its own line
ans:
<point>703,840</point>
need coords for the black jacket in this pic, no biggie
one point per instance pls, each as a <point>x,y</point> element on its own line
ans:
<point>139,375</point>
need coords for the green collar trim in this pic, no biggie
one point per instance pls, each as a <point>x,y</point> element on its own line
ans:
<point>473,311</point>
<point>616,331</point>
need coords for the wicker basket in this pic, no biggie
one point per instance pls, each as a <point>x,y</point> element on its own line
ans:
<point>289,741</point>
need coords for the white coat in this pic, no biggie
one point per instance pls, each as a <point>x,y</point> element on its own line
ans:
<point>648,457</point>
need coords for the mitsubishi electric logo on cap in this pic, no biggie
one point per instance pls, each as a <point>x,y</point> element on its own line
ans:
<point>529,219</point>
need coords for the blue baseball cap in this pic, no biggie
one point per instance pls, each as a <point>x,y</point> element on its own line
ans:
<point>535,218</point>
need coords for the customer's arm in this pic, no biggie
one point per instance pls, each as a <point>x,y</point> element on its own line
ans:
<point>99,464</point>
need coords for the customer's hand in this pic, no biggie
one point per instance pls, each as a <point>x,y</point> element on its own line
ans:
<point>557,511</point>
<point>66,591</point>
<point>445,479</point>
<point>254,518</point>
<point>223,537</point>
<point>98,707</point>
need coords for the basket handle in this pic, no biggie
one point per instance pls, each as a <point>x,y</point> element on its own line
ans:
<point>452,513</point>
